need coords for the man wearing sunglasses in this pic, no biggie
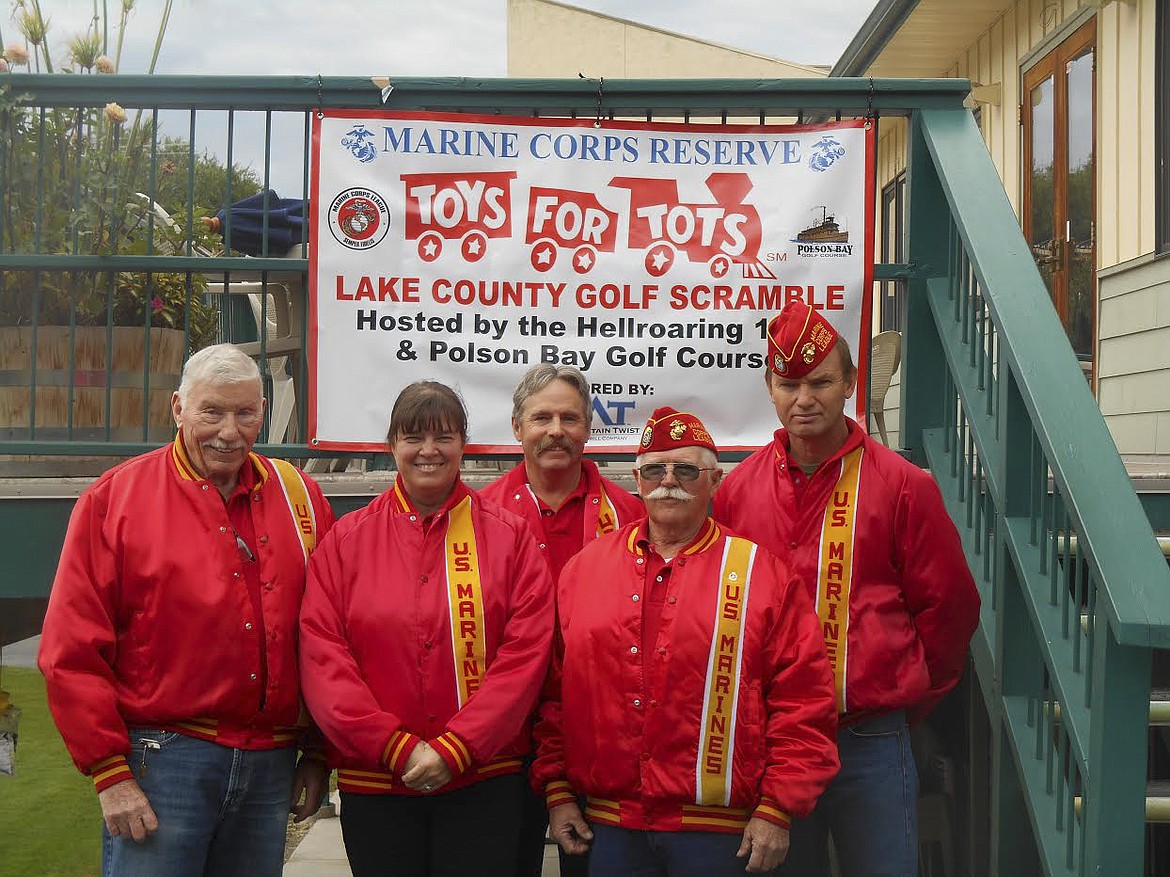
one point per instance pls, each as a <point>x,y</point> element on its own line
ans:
<point>567,503</point>
<point>169,646</point>
<point>690,698</point>
<point>867,532</point>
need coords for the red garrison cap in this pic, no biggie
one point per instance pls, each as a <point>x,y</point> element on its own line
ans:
<point>668,429</point>
<point>799,339</point>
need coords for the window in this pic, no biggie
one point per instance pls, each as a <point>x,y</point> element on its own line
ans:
<point>893,305</point>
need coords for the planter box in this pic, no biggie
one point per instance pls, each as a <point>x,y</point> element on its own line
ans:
<point>97,395</point>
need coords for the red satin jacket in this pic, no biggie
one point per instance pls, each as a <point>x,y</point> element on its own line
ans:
<point>384,667</point>
<point>913,605</point>
<point>150,623</point>
<point>741,722</point>
<point>512,492</point>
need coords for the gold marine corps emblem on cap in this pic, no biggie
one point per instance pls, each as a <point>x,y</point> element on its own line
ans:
<point>677,430</point>
<point>808,353</point>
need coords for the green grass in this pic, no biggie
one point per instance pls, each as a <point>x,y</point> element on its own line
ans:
<point>50,821</point>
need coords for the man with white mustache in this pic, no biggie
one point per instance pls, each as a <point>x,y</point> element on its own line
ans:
<point>567,503</point>
<point>169,646</point>
<point>690,699</point>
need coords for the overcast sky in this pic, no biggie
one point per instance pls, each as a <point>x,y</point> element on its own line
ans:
<point>455,37</point>
<point>396,38</point>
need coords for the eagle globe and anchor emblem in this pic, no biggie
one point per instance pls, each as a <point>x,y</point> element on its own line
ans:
<point>358,141</point>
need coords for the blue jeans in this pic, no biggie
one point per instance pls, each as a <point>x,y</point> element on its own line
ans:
<point>870,808</point>
<point>221,812</point>
<point>625,852</point>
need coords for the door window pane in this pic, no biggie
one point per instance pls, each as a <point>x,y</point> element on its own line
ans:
<point>1079,187</point>
<point>1041,233</point>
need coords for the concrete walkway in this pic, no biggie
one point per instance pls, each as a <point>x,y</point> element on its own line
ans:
<point>321,853</point>
<point>21,654</point>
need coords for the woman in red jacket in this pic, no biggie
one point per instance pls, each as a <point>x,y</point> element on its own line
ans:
<point>425,635</point>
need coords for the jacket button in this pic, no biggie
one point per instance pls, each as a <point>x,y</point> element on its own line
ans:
<point>223,529</point>
<point>792,545</point>
<point>414,517</point>
<point>268,586</point>
<point>635,598</point>
<point>425,579</point>
<point>637,700</point>
<point>662,650</point>
<point>633,650</point>
<point>542,546</point>
<point>640,561</point>
<point>264,539</point>
<point>205,487</point>
<point>256,498</point>
<point>672,600</point>
<point>235,575</point>
<point>596,501</point>
<point>645,756</point>
<point>252,676</point>
<point>247,625</point>
<point>427,645</point>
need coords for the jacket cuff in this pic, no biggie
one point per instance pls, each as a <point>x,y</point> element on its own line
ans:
<point>453,751</point>
<point>109,772</point>
<point>398,750</point>
<point>558,792</point>
<point>768,810</point>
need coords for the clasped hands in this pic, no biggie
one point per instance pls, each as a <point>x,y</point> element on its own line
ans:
<point>425,769</point>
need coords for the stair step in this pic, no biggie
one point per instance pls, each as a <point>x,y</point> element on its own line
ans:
<point>1163,543</point>
<point>1159,709</point>
<point>1157,801</point>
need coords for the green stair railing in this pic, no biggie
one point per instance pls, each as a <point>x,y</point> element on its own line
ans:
<point>1076,593</point>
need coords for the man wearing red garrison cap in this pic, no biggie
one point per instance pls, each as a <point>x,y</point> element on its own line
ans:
<point>869,536</point>
<point>690,698</point>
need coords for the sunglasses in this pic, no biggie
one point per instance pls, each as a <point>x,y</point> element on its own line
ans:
<point>682,471</point>
<point>246,554</point>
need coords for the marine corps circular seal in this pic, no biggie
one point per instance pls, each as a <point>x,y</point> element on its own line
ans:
<point>779,365</point>
<point>359,218</point>
<point>647,436</point>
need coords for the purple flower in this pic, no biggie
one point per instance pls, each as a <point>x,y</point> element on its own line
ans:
<point>157,304</point>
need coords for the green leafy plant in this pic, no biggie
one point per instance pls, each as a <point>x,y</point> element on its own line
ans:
<point>93,181</point>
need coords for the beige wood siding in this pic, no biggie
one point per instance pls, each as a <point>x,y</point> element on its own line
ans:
<point>1133,374</point>
<point>548,39</point>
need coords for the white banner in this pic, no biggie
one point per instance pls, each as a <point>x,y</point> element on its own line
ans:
<point>465,249</point>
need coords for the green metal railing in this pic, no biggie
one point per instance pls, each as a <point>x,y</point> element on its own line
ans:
<point>1075,593</point>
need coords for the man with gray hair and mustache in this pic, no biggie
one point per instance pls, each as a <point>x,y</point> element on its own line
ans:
<point>169,646</point>
<point>567,503</point>
<point>690,699</point>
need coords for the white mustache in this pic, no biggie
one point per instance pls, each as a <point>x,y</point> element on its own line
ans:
<point>664,492</point>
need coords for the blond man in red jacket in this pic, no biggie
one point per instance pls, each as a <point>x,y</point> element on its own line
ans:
<point>690,699</point>
<point>169,646</point>
<point>567,503</point>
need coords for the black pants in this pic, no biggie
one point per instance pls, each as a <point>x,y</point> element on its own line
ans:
<point>474,830</point>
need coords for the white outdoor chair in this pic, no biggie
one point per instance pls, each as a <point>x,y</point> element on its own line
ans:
<point>884,357</point>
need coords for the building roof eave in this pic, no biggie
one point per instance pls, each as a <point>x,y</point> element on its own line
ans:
<point>883,22</point>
